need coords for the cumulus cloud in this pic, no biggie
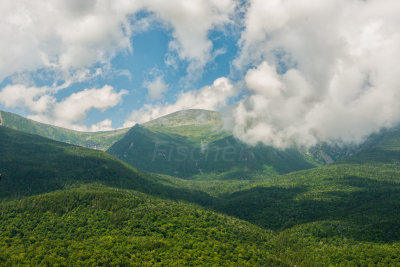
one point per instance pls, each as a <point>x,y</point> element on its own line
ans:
<point>76,106</point>
<point>33,98</point>
<point>209,97</point>
<point>61,34</point>
<point>319,71</point>
<point>191,22</point>
<point>66,113</point>
<point>156,88</point>
<point>69,35</point>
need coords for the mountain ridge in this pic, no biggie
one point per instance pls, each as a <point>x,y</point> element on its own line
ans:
<point>197,142</point>
<point>97,140</point>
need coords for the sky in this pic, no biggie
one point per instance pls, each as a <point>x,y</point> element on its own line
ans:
<point>281,72</point>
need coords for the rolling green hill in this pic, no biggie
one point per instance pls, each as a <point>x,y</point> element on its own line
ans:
<point>192,144</point>
<point>97,225</point>
<point>353,205</point>
<point>366,183</point>
<point>101,226</point>
<point>96,140</point>
<point>350,211</point>
<point>31,164</point>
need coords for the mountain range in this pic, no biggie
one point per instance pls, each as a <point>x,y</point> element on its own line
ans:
<point>191,144</point>
<point>168,192</point>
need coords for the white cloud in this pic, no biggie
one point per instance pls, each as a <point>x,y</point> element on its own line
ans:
<point>105,125</point>
<point>61,34</point>
<point>69,35</point>
<point>156,88</point>
<point>324,71</point>
<point>75,107</point>
<point>191,22</point>
<point>33,98</point>
<point>209,97</point>
<point>66,113</point>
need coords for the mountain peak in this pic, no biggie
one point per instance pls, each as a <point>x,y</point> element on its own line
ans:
<point>188,117</point>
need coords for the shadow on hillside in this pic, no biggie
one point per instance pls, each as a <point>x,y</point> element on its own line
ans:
<point>30,169</point>
<point>370,212</point>
<point>176,155</point>
<point>379,155</point>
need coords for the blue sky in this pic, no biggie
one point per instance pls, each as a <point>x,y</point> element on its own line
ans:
<point>281,72</point>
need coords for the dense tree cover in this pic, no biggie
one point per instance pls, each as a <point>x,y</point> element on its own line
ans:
<point>365,197</point>
<point>97,140</point>
<point>97,225</point>
<point>343,214</point>
<point>94,225</point>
